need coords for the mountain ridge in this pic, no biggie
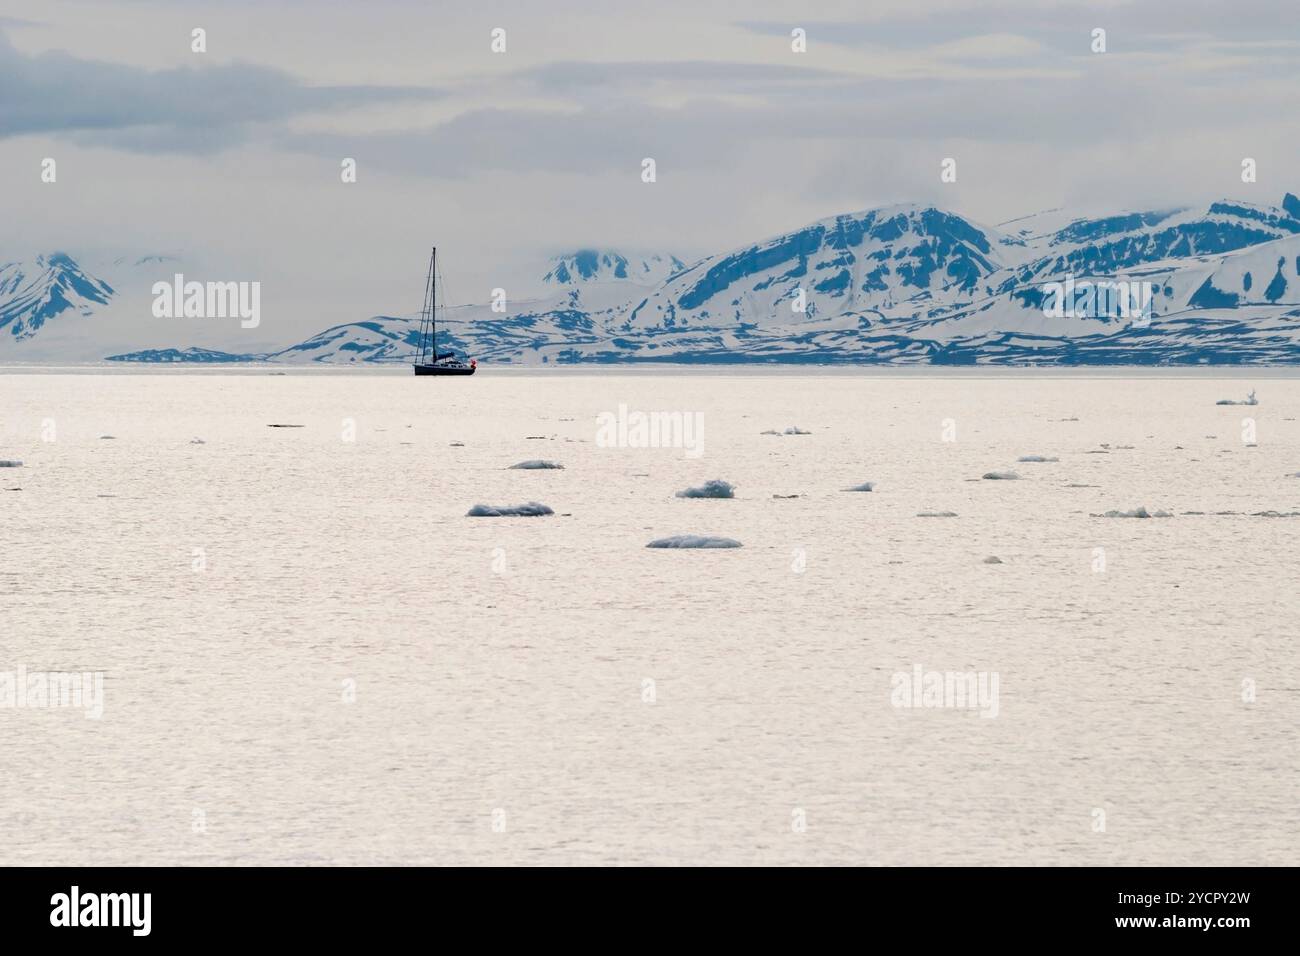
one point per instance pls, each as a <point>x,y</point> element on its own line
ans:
<point>901,284</point>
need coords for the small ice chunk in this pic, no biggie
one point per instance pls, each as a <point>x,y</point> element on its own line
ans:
<point>537,464</point>
<point>1249,400</point>
<point>1036,458</point>
<point>993,559</point>
<point>1138,512</point>
<point>10,463</point>
<point>532,509</point>
<point>796,430</point>
<point>936,514</point>
<point>770,431</point>
<point>694,541</point>
<point>714,488</point>
<point>107,437</point>
<point>1001,476</point>
<point>865,486</point>
<point>197,441</point>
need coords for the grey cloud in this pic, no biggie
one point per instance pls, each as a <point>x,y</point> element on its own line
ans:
<point>1135,25</point>
<point>1120,103</point>
<point>183,109</point>
<point>532,141</point>
<point>584,79</point>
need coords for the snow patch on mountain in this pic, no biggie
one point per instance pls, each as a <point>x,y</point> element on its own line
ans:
<point>609,265</point>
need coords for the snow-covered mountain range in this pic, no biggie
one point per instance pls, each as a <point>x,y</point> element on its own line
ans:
<point>905,284</point>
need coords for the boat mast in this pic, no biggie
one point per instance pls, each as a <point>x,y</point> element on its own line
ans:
<point>426,312</point>
<point>433,300</point>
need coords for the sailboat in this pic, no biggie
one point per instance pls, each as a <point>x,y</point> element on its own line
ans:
<point>429,361</point>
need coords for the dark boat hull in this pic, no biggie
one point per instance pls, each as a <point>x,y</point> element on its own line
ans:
<point>445,369</point>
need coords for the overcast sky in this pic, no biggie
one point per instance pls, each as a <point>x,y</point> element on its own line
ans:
<point>231,158</point>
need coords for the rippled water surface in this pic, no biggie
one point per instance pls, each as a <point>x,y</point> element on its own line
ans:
<point>549,690</point>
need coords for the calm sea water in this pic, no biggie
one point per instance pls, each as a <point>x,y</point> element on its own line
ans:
<point>311,655</point>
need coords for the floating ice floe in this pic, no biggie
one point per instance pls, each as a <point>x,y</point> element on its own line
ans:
<point>1036,458</point>
<point>993,559</point>
<point>1001,476</point>
<point>107,437</point>
<point>1275,514</point>
<point>284,426</point>
<point>936,514</point>
<point>1249,400</point>
<point>694,541</point>
<point>10,463</point>
<point>537,464</point>
<point>457,444</point>
<point>197,441</point>
<point>770,431</point>
<point>532,509</point>
<point>714,488</point>
<point>785,496</point>
<point>1135,513</point>
<point>865,486</point>
<point>796,430</point>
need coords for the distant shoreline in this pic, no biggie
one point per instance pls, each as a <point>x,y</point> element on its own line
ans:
<point>791,369</point>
